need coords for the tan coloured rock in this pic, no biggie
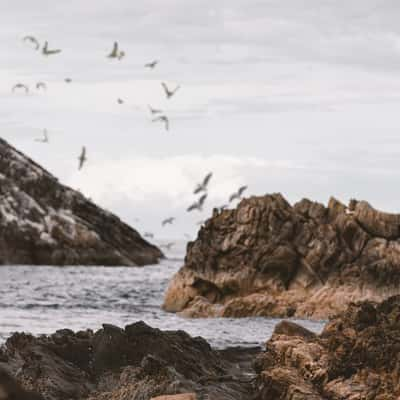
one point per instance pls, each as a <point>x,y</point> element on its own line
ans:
<point>357,356</point>
<point>268,258</point>
<point>183,396</point>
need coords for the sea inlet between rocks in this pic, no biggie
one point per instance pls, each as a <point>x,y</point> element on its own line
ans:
<point>41,300</point>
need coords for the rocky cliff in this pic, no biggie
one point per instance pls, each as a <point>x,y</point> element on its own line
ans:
<point>44,222</point>
<point>357,356</point>
<point>269,258</point>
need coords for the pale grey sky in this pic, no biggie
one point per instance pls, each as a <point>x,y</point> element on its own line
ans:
<point>296,96</point>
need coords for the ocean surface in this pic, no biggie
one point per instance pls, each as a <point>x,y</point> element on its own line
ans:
<point>42,299</point>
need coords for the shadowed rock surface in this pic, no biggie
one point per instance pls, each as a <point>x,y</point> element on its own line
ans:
<point>357,356</point>
<point>268,258</point>
<point>45,223</point>
<point>135,363</point>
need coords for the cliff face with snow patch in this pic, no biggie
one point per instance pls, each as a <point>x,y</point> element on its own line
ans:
<point>45,223</point>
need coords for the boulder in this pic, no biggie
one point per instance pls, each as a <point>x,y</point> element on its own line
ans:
<point>357,356</point>
<point>269,258</point>
<point>45,223</point>
<point>136,363</point>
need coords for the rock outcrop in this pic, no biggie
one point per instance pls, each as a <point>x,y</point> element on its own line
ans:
<point>357,356</point>
<point>268,258</point>
<point>44,222</point>
<point>135,363</point>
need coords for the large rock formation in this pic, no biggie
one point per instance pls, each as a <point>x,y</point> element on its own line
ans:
<point>135,363</point>
<point>44,222</point>
<point>357,356</point>
<point>268,258</point>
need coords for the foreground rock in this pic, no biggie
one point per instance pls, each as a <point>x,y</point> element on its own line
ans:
<point>135,363</point>
<point>357,356</point>
<point>268,258</point>
<point>45,223</point>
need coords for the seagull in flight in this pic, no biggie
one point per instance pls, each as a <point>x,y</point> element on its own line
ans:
<point>152,64</point>
<point>168,246</point>
<point>21,86</point>
<point>82,158</point>
<point>149,235</point>
<point>41,85</point>
<point>168,221</point>
<point>32,40</point>
<point>116,53</point>
<point>169,93</point>
<point>67,80</point>
<point>47,52</point>
<point>154,111</point>
<point>45,138</point>
<point>164,119</point>
<point>120,101</point>
<point>202,187</point>
<point>237,195</point>
<point>198,205</point>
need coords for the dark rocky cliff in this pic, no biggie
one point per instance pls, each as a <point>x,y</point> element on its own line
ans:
<point>269,258</point>
<point>44,222</point>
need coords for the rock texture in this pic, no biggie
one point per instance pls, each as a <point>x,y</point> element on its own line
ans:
<point>44,222</point>
<point>269,258</point>
<point>135,363</point>
<point>356,357</point>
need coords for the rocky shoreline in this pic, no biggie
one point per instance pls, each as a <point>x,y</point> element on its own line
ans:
<point>357,356</point>
<point>45,223</point>
<point>137,362</point>
<point>269,258</point>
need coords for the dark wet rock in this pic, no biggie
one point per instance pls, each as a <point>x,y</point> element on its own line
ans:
<point>357,356</point>
<point>10,389</point>
<point>135,363</point>
<point>45,223</point>
<point>269,258</point>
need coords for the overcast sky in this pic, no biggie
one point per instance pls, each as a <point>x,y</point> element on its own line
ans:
<point>294,96</point>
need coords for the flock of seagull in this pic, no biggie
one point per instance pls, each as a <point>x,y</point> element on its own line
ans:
<point>157,116</point>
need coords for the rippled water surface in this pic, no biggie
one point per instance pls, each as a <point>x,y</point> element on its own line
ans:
<point>44,299</point>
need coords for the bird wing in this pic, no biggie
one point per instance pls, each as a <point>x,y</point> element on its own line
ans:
<point>241,190</point>
<point>165,87</point>
<point>114,51</point>
<point>232,197</point>
<point>192,207</point>
<point>207,179</point>
<point>202,199</point>
<point>33,40</point>
<point>198,189</point>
